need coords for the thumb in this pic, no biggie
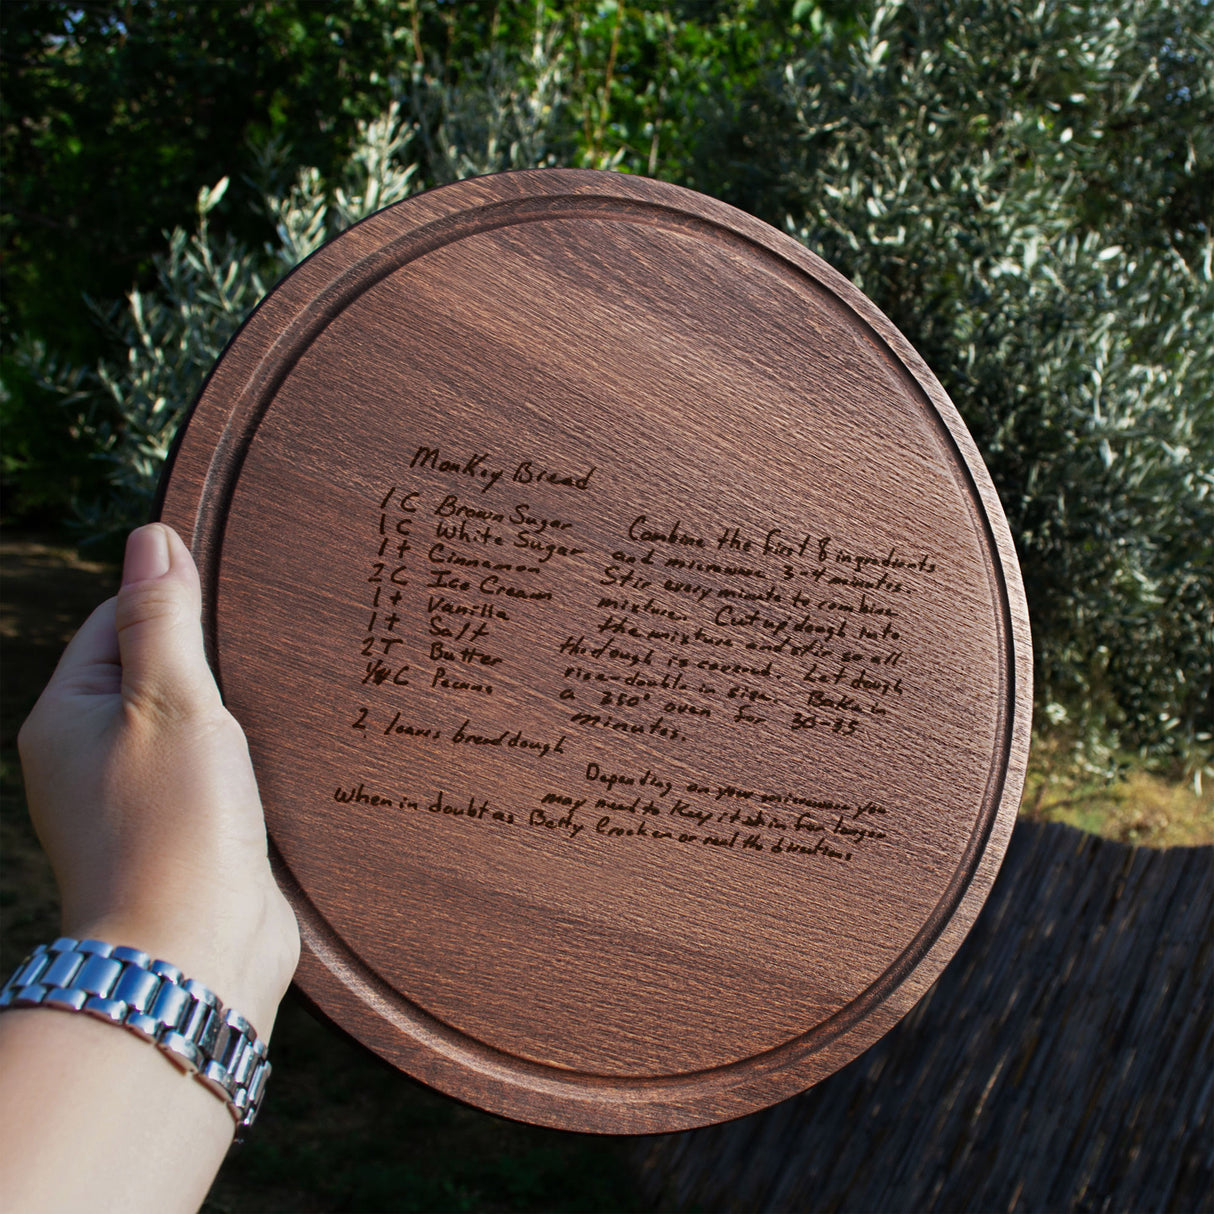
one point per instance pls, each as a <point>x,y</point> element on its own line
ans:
<point>158,618</point>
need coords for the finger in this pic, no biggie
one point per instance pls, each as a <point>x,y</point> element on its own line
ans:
<point>157,614</point>
<point>91,664</point>
<point>89,670</point>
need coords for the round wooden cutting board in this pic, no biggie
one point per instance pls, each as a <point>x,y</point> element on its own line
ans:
<point>629,640</point>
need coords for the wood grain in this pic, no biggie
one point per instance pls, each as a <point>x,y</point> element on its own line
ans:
<point>629,639</point>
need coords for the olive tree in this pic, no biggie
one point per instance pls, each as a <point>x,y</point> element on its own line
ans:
<point>1027,189</point>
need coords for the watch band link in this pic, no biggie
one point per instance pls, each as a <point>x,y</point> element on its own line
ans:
<point>154,1000</point>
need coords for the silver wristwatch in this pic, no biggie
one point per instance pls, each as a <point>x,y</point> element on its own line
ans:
<point>156,1002</point>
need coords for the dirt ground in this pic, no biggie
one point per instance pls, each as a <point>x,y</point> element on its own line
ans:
<point>46,593</point>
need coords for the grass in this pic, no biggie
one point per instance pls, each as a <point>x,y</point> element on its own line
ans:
<point>1141,808</point>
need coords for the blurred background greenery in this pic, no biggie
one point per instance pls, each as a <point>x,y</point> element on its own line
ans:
<point>1025,187</point>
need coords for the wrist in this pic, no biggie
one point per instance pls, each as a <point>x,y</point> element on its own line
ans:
<point>245,964</point>
<point>154,1000</point>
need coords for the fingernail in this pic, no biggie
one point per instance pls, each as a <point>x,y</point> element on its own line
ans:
<point>147,555</point>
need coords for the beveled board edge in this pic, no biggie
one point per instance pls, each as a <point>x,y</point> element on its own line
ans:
<point>336,980</point>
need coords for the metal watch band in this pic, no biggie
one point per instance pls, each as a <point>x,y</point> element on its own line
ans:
<point>155,1001</point>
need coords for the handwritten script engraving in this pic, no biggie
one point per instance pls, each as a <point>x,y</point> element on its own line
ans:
<point>671,634</point>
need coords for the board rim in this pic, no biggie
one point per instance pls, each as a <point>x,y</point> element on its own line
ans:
<point>330,973</point>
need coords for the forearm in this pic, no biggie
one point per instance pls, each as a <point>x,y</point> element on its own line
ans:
<point>95,1118</point>
<point>94,1112</point>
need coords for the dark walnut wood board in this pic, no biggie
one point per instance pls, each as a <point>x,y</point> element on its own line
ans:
<point>629,639</point>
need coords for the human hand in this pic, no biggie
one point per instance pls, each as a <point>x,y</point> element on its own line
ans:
<point>142,793</point>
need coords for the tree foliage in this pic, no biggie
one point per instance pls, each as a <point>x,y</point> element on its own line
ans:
<point>113,114</point>
<point>1030,198</point>
<point>1027,189</point>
